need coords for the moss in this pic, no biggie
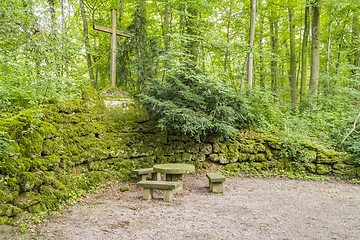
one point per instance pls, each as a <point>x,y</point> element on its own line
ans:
<point>4,220</point>
<point>97,166</point>
<point>323,169</point>
<point>198,165</point>
<point>120,151</point>
<point>6,196</point>
<point>284,165</point>
<point>96,154</point>
<point>50,147</point>
<point>157,139</point>
<point>48,198</point>
<point>199,157</point>
<point>31,144</point>
<point>37,208</point>
<point>310,167</point>
<point>214,157</point>
<point>191,147</point>
<point>13,184</point>
<point>269,155</point>
<point>27,199</point>
<point>52,162</point>
<point>273,143</point>
<point>14,166</point>
<point>139,150</point>
<point>186,157</point>
<point>350,159</point>
<point>243,157</point>
<point>30,180</point>
<point>327,157</point>
<point>9,210</point>
<point>124,188</point>
<point>58,185</point>
<point>219,147</point>
<point>47,130</point>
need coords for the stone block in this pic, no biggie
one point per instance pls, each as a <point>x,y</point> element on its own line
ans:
<point>214,157</point>
<point>205,148</point>
<point>192,147</point>
<point>199,157</point>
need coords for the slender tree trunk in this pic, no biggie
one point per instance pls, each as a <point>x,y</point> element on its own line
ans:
<point>251,45</point>
<point>315,46</point>
<point>166,26</point>
<point>293,84</point>
<point>121,12</point>
<point>274,51</point>
<point>262,80</point>
<point>304,53</point>
<point>87,46</point>
<point>192,30</point>
<point>142,49</point>
<point>95,49</point>
<point>228,36</point>
<point>355,30</point>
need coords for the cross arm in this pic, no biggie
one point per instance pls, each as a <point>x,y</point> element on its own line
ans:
<point>108,30</point>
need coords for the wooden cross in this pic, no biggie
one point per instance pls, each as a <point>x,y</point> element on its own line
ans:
<point>113,33</point>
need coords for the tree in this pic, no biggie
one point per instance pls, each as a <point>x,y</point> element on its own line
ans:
<point>304,52</point>
<point>315,46</point>
<point>87,46</point>
<point>292,72</point>
<point>251,45</point>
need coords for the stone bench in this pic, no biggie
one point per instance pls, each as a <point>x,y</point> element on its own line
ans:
<point>216,182</point>
<point>168,188</point>
<point>142,173</point>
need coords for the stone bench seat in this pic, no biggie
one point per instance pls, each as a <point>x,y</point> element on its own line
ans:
<point>142,174</point>
<point>168,188</point>
<point>216,182</point>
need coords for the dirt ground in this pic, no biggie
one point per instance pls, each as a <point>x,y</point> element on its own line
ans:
<point>250,208</point>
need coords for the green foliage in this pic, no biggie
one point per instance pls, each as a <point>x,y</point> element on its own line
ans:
<point>188,106</point>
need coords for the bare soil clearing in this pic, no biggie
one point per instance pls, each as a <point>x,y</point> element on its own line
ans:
<point>251,208</point>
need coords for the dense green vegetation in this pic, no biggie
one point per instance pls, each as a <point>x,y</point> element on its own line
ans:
<point>291,71</point>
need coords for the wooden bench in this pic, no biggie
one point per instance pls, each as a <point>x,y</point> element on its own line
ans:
<point>216,182</point>
<point>142,174</point>
<point>168,188</point>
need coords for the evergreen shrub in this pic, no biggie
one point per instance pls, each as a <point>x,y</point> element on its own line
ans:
<point>185,105</point>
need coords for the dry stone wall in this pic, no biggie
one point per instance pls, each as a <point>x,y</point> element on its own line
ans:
<point>68,148</point>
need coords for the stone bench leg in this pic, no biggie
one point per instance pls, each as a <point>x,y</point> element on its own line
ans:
<point>148,194</point>
<point>141,177</point>
<point>156,176</point>
<point>217,187</point>
<point>210,185</point>
<point>175,178</point>
<point>168,196</point>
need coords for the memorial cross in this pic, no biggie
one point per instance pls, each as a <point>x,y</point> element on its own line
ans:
<point>113,33</point>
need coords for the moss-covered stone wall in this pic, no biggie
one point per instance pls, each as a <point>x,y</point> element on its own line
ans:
<point>68,148</point>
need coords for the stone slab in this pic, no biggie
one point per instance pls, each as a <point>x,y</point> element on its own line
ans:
<point>174,168</point>
<point>142,171</point>
<point>215,177</point>
<point>158,185</point>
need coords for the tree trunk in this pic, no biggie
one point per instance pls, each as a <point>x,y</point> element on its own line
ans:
<point>142,48</point>
<point>121,12</point>
<point>315,46</point>
<point>166,27</point>
<point>293,84</point>
<point>262,80</point>
<point>304,53</point>
<point>274,51</point>
<point>251,45</point>
<point>192,30</point>
<point>87,47</point>
<point>228,36</point>
<point>355,31</point>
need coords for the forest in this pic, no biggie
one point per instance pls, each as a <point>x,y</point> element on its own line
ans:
<point>288,69</point>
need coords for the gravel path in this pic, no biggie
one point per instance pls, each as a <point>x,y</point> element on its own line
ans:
<point>251,208</point>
